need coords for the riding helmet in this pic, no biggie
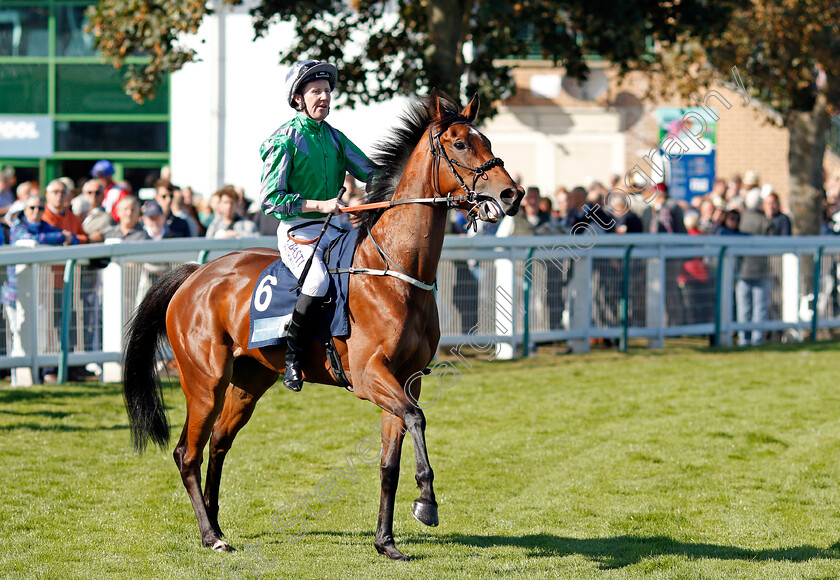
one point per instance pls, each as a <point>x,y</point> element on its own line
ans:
<point>307,71</point>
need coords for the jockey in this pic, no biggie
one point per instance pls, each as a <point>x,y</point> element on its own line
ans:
<point>304,165</point>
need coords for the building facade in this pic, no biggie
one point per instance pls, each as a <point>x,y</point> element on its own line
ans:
<point>62,109</point>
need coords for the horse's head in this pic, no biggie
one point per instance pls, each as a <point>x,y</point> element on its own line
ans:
<point>464,162</point>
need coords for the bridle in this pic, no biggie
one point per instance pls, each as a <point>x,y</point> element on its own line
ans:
<point>477,208</point>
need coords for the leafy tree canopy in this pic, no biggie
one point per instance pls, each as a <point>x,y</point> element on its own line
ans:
<point>403,47</point>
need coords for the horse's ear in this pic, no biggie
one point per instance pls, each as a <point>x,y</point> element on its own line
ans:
<point>471,112</point>
<point>435,107</point>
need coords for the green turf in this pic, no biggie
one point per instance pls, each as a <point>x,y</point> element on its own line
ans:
<point>676,464</point>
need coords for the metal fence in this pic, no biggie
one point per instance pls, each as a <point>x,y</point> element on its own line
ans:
<point>499,295</point>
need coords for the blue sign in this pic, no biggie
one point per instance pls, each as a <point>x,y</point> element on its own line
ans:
<point>692,175</point>
<point>26,136</point>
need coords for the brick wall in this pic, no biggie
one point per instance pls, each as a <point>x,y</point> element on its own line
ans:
<point>746,140</point>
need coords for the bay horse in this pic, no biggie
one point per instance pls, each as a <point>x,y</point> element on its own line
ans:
<point>394,327</point>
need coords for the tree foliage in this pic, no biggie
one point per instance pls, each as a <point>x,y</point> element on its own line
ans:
<point>787,52</point>
<point>402,47</point>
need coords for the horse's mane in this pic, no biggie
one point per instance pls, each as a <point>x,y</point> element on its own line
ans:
<point>391,154</point>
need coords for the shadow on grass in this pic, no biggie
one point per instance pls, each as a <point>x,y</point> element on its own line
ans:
<point>61,428</point>
<point>38,394</point>
<point>621,551</point>
<point>50,414</point>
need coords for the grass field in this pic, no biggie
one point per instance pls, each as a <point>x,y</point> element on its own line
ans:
<point>676,464</point>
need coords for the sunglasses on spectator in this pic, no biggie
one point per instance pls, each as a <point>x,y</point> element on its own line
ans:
<point>38,207</point>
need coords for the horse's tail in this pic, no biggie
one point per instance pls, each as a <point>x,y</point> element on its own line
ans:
<point>144,338</point>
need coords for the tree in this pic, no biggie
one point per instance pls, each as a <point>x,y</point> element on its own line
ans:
<point>787,51</point>
<point>385,48</point>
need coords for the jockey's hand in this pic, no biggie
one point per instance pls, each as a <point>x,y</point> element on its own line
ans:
<point>332,206</point>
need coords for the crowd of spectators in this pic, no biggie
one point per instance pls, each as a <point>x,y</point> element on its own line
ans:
<point>92,211</point>
<point>100,209</point>
<point>739,206</point>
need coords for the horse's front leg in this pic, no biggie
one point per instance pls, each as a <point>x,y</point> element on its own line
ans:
<point>379,386</point>
<point>425,506</point>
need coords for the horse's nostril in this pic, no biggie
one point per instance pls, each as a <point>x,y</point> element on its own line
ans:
<point>508,195</point>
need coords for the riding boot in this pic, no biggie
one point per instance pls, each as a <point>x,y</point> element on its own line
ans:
<point>298,338</point>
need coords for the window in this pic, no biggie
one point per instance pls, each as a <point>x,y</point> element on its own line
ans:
<point>24,31</point>
<point>147,137</point>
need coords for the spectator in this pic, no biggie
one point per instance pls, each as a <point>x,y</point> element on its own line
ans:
<point>129,228</point>
<point>227,224</point>
<point>208,212</point>
<point>7,189</point>
<point>95,223</point>
<point>103,171</point>
<point>717,195</point>
<point>779,222</point>
<point>58,213</point>
<point>175,226</point>
<point>627,222</point>
<point>571,207</point>
<point>667,213</point>
<point>23,191</point>
<point>731,224</point>
<point>733,188</point>
<point>30,225</point>
<point>97,218</point>
<point>154,222</point>
<point>530,216</point>
<point>706,222</point>
<point>752,286</point>
<point>693,279</point>
<point>182,206</point>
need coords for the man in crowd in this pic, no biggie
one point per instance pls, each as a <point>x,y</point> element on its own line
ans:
<point>58,214</point>
<point>103,171</point>
<point>752,286</point>
<point>129,228</point>
<point>227,224</point>
<point>8,180</point>
<point>779,222</point>
<point>98,219</point>
<point>175,227</point>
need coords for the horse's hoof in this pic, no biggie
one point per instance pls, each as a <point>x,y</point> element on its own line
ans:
<point>391,551</point>
<point>426,513</point>
<point>221,546</point>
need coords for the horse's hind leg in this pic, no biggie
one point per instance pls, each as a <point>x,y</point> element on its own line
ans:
<point>249,382</point>
<point>393,432</point>
<point>204,388</point>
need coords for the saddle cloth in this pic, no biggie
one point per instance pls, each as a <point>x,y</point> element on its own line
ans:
<point>272,303</point>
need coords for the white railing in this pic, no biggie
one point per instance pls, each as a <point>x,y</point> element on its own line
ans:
<point>500,294</point>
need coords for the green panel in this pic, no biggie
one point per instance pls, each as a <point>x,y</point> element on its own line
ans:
<point>23,88</point>
<point>97,89</point>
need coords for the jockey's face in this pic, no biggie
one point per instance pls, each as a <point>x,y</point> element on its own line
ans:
<point>316,96</point>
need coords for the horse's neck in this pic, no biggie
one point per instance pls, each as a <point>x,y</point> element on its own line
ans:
<point>412,234</point>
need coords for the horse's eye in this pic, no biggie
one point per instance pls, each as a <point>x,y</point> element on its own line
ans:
<point>460,145</point>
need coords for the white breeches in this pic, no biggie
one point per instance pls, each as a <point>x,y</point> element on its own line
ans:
<point>295,255</point>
